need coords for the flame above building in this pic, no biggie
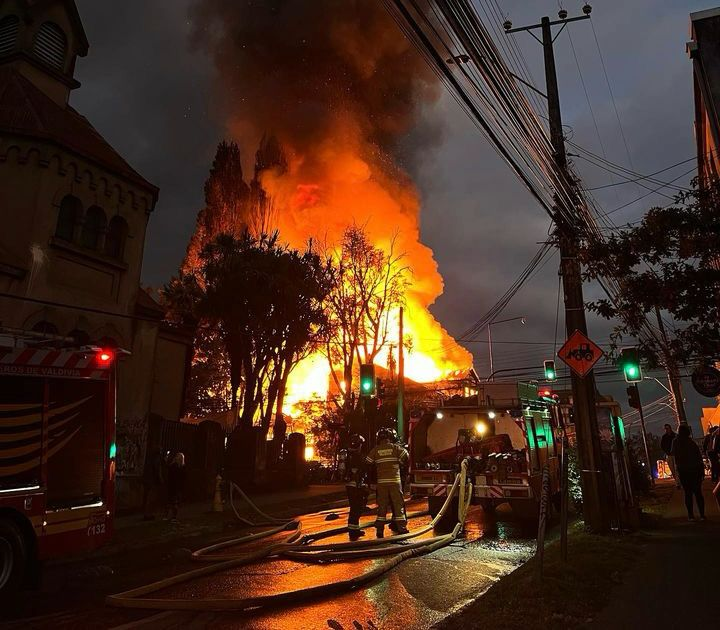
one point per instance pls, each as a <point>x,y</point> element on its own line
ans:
<point>340,88</point>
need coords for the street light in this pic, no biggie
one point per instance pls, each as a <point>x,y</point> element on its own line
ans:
<point>489,327</point>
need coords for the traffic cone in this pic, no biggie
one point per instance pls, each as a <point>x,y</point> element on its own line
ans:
<point>217,499</point>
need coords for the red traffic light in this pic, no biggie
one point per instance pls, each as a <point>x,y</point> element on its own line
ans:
<point>105,357</point>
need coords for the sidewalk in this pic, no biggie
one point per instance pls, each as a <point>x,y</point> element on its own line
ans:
<point>674,584</point>
<point>197,519</point>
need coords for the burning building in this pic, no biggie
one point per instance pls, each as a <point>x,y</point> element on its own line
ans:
<point>338,91</point>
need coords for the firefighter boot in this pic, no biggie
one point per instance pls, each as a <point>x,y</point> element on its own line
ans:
<point>380,531</point>
<point>355,534</point>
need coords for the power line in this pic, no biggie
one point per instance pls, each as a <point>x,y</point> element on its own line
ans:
<point>612,96</point>
<point>629,203</point>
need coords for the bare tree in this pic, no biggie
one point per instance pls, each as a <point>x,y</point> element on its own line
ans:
<point>369,286</point>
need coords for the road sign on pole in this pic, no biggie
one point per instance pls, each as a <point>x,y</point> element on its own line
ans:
<point>580,353</point>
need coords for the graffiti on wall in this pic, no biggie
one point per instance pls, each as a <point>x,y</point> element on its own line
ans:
<point>131,440</point>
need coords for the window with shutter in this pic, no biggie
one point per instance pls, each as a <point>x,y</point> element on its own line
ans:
<point>50,45</point>
<point>9,27</point>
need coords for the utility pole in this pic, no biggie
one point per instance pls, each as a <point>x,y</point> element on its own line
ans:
<point>401,382</point>
<point>595,501</point>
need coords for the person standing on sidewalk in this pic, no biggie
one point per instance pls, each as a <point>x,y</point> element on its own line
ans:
<point>666,442</point>
<point>357,489</point>
<point>389,458</point>
<point>690,470</point>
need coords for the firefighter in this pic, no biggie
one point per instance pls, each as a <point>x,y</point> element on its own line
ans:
<point>357,489</point>
<point>388,459</point>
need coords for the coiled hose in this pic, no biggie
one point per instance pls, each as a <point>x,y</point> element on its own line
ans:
<point>302,550</point>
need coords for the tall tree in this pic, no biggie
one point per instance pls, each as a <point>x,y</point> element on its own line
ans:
<point>227,203</point>
<point>265,301</point>
<point>668,267</point>
<point>369,286</point>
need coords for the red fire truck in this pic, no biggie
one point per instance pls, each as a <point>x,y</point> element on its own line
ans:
<point>507,434</point>
<point>57,454</point>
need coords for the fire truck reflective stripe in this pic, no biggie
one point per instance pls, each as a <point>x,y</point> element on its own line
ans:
<point>25,489</point>
<point>24,356</point>
<point>51,357</point>
<point>74,360</point>
<point>60,360</point>
<point>439,490</point>
<point>22,407</point>
<point>29,419</point>
<point>29,465</point>
<point>495,491</point>
<point>351,526</point>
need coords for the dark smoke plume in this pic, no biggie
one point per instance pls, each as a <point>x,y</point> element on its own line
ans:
<point>295,67</point>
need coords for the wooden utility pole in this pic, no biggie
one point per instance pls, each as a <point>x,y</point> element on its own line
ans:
<point>583,388</point>
<point>401,382</point>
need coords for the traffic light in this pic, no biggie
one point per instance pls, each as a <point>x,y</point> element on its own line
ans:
<point>367,380</point>
<point>630,362</point>
<point>380,388</point>
<point>633,396</point>
<point>550,373</point>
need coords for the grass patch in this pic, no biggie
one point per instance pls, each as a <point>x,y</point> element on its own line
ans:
<point>569,594</point>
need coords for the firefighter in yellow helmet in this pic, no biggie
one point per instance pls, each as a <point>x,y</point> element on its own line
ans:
<point>389,458</point>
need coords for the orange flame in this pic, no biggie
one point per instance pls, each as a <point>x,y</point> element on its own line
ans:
<point>345,183</point>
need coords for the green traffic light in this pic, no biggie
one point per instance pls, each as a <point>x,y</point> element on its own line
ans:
<point>550,375</point>
<point>367,386</point>
<point>631,371</point>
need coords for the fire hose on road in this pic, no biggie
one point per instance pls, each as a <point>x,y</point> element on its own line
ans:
<point>299,548</point>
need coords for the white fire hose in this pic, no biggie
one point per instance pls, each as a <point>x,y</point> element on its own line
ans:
<point>299,548</point>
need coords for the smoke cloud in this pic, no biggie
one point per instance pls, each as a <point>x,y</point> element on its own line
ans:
<point>341,88</point>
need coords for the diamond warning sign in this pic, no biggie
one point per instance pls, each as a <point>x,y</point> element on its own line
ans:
<point>580,354</point>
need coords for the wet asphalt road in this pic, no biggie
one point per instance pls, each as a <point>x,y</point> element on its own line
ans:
<point>416,594</point>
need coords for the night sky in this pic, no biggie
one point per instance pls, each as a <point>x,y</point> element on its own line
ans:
<point>151,95</point>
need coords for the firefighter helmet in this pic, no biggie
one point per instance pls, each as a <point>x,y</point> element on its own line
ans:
<point>386,434</point>
<point>356,442</point>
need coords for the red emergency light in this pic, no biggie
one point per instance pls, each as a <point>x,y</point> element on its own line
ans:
<point>105,357</point>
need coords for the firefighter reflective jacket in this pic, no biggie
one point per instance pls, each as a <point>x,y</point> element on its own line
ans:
<point>388,459</point>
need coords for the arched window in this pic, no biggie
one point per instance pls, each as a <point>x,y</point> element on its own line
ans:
<point>51,45</point>
<point>9,27</point>
<point>68,217</point>
<point>116,236</point>
<point>93,228</point>
<point>46,328</point>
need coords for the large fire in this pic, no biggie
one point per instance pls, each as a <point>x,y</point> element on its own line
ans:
<point>340,88</point>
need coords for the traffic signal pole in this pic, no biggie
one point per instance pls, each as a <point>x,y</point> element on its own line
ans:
<point>595,501</point>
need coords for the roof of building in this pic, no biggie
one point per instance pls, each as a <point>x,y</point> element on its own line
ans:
<point>26,110</point>
<point>703,15</point>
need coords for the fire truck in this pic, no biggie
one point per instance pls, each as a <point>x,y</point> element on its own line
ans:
<point>508,435</point>
<point>57,454</point>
